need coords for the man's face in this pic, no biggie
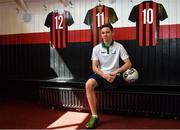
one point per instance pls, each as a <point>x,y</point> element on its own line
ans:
<point>107,34</point>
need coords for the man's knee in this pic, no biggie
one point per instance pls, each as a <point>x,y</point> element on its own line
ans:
<point>90,84</point>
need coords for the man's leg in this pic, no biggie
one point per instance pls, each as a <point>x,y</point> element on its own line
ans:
<point>91,97</point>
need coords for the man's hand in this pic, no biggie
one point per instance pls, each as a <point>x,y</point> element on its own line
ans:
<point>109,77</point>
<point>114,73</point>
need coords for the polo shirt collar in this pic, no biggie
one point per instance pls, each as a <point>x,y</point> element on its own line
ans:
<point>104,45</point>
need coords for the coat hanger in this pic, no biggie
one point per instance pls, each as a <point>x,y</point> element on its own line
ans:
<point>99,5</point>
<point>56,10</point>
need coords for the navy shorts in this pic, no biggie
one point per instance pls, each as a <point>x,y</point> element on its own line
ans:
<point>104,84</point>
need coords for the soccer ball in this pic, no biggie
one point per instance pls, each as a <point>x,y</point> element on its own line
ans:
<point>130,75</point>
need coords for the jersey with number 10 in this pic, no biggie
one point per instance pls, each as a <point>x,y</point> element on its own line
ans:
<point>147,16</point>
<point>58,23</point>
<point>96,17</point>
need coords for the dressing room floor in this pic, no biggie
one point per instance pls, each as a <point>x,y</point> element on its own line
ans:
<point>24,114</point>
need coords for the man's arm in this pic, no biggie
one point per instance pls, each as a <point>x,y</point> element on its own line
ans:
<point>95,68</point>
<point>127,65</point>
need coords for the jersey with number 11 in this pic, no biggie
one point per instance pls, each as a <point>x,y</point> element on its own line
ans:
<point>96,17</point>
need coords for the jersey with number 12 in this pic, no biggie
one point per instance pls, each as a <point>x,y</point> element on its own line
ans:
<point>58,23</point>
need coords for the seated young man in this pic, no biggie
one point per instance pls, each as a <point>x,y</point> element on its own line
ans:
<point>105,65</point>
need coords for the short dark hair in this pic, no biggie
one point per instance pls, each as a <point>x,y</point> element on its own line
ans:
<point>107,25</point>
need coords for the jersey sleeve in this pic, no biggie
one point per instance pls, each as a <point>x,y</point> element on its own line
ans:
<point>88,18</point>
<point>69,18</point>
<point>48,20</point>
<point>162,12</point>
<point>132,16</point>
<point>112,16</point>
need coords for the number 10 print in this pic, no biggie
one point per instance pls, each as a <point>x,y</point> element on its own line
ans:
<point>147,16</point>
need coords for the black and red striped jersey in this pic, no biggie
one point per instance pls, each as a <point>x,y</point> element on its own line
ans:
<point>98,16</point>
<point>58,23</point>
<point>147,16</point>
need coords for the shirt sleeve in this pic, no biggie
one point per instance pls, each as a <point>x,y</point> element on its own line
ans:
<point>94,54</point>
<point>48,20</point>
<point>88,18</point>
<point>69,18</point>
<point>123,53</point>
<point>132,16</point>
<point>162,12</point>
<point>112,16</point>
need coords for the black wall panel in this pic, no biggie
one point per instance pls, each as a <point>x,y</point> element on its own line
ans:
<point>156,64</point>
